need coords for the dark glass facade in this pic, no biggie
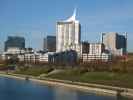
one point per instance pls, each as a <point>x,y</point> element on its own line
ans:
<point>121,42</point>
<point>15,41</point>
<point>85,47</point>
<point>50,43</point>
<point>64,58</point>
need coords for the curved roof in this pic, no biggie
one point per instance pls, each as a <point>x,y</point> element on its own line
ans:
<point>73,17</point>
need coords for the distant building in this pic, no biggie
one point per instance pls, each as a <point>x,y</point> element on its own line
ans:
<point>68,57</point>
<point>85,47</point>
<point>50,43</point>
<point>115,43</point>
<point>13,50</point>
<point>96,48</point>
<point>15,42</point>
<point>93,52</point>
<point>28,55</point>
<point>68,34</point>
<point>92,48</point>
<point>43,57</point>
<point>31,56</point>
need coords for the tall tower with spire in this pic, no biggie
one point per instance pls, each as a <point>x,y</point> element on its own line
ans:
<point>68,34</point>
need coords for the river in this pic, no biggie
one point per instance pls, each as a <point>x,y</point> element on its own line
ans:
<point>14,89</point>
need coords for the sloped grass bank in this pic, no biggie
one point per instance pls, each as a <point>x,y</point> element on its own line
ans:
<point>104,78</point>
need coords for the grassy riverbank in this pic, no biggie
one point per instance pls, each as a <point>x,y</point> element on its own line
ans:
<point>82,75</point>
<point>106,78</point>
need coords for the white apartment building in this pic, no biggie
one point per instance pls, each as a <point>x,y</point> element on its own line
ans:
<point>14,50</point>
<point>68,34</point>
<point>94,52</point>
<point>96,48</point>
<point>100,57</point>
<point>27,55</point>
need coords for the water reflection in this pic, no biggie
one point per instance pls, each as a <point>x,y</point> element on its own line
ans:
<point>62,93</point>
<point>119,97</point>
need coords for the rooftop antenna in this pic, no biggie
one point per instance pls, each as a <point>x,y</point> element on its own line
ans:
<point>74,13</point>
<point>126,42</point>
<point>0,43</point>
<point>102,36</point>
<point>46,34</point>
<point>73,17</point>
<point>28,36</point>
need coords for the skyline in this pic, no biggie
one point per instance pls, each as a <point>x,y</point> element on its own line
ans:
<point>34,19</point>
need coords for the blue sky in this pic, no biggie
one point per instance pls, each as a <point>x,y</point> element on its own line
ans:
<point>34,19</point>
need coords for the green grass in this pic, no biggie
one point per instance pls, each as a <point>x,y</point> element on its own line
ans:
<point>82,75</point>
<point>106,78</point>
<point>34,71</point>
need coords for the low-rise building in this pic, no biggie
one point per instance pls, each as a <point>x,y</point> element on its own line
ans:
<point>102,57</point>
<point>28,55</point>
<point>93,52</point>
<point>68,57</point>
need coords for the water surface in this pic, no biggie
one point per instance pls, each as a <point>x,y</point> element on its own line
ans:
<point>13,89</point>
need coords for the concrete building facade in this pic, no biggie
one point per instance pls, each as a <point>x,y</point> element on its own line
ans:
<point>115,43</point>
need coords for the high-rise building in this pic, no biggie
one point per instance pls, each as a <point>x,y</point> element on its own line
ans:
<point>50,43</point>
<point>15,42</point>
<point>68,34</point>
<point>115,43</point>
